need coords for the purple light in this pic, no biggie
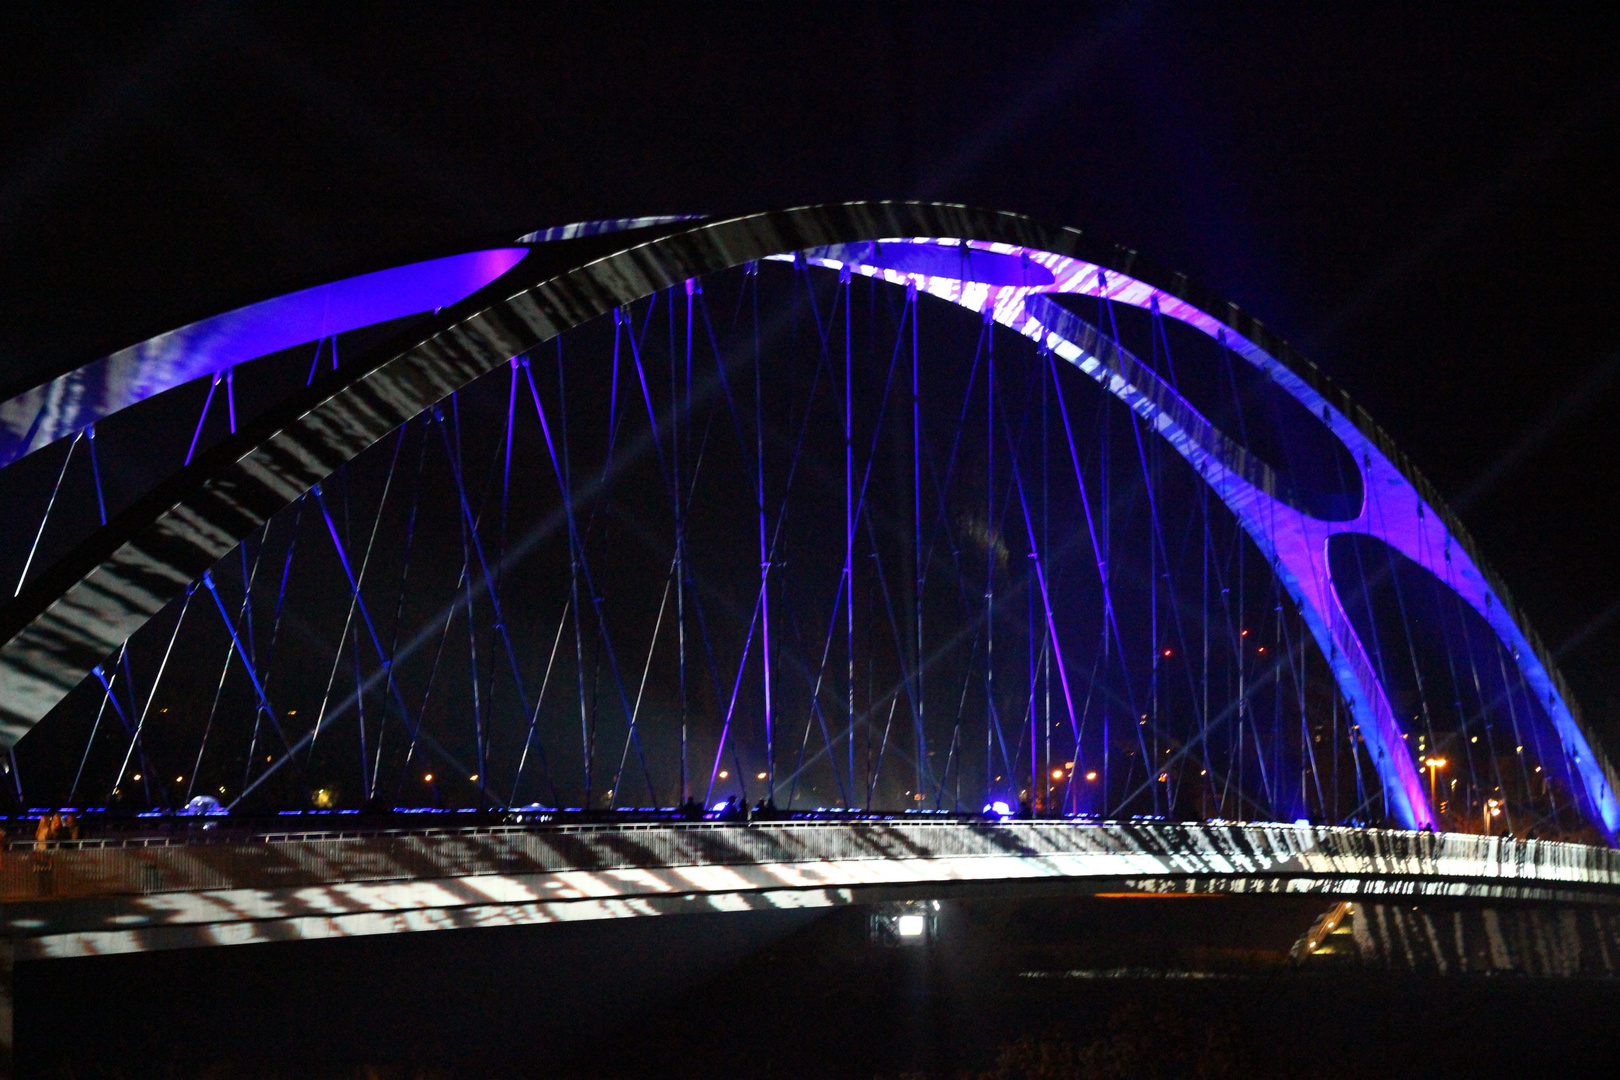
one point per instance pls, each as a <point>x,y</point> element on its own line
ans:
<point>946,261</point>
<point>1296,542</point>
<point>67,405</point>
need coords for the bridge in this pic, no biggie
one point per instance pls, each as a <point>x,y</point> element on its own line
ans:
<point>976,556</point>
<point>126,897</point>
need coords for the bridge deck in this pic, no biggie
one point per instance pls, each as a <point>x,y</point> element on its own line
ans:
<point>102,897</point>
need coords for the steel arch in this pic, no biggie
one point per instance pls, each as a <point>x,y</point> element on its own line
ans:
<point>94,598</point>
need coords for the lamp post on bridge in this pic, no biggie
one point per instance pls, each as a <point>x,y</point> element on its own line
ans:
<point>1434,765</point>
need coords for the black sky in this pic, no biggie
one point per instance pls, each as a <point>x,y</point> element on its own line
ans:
<point>1424,201</point>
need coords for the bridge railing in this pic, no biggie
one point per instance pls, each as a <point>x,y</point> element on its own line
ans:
<point>149,866</point>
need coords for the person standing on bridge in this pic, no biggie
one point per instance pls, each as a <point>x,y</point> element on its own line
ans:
<point>45,833</point>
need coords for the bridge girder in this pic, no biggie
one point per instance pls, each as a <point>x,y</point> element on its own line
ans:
<point>123,899</point>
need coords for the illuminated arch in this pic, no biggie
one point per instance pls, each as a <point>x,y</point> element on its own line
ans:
<point>495,304</point>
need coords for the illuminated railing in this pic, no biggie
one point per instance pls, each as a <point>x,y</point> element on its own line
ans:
<point>140,867</point>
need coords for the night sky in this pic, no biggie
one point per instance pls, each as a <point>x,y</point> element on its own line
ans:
<point>1423,201</point>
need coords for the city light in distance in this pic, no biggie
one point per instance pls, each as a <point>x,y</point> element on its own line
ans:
<point>1091,776</point>
<point>428,777</point>
<point>1057,774</point>
<point>724,774</point>
<point>761,776</point>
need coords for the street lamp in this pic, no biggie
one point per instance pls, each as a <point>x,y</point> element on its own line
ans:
<point>1492,808</point>
<point>1434,765</point>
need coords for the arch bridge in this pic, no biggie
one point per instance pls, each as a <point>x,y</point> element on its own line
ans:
<point>897,509</point>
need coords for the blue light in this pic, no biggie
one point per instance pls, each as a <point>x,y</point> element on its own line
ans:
<point>719,806</point>
<point>1302,821</point>
<point>115,382</point>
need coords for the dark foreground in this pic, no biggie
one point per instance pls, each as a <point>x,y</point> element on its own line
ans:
<point>1050,988</point>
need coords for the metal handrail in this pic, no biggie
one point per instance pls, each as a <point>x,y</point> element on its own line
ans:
<point>209,836</point>
<point>146,865</point>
